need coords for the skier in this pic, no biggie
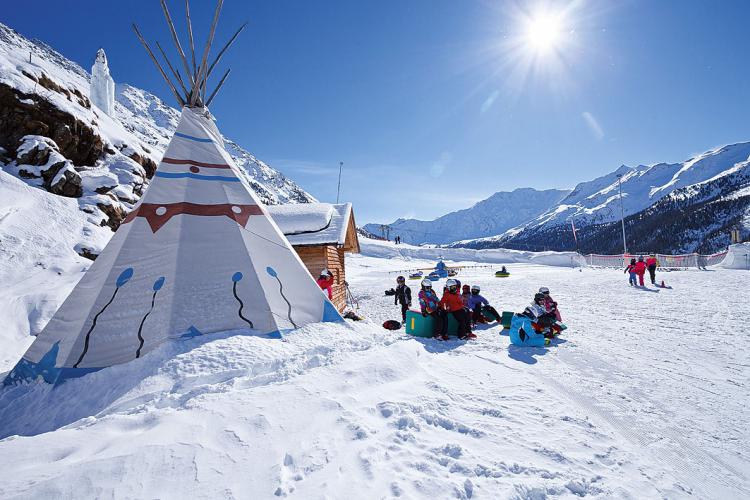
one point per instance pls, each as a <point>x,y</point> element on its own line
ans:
<point>631,271</point>
<point>549,303</point>
<point>428,303</point>
<point>640,270</point>
<point>325,282</point>
<point>651,264</point>
<point>478,304</point>
<point>451,303</point>
<point>402,296</point>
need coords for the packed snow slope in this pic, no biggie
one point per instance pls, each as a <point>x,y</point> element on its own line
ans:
<point>498,213</point>
<point>52,136</point>
<point>643,397</point>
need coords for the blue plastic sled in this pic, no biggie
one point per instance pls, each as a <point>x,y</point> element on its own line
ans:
<point>523,334</point>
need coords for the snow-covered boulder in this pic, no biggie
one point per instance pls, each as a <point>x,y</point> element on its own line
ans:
<point>39,157</point>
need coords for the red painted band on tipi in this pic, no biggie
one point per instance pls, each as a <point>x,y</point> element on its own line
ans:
<point>177,161</point>
<point>158,214</point>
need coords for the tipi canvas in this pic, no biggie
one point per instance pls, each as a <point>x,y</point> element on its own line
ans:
<point>199,254</point>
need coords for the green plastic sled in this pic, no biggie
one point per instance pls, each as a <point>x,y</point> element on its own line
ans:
<point>421,326</point>
<point>506,319</point>
<point>488,315</point>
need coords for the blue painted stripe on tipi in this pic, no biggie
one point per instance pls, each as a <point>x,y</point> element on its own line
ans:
<point>192,138</point>
<point>182,175</point>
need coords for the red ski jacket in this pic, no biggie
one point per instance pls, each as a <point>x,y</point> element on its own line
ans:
<point>327,285</point>
<point>640,267</point>
<point>451,302</point>
<point>651,261</point>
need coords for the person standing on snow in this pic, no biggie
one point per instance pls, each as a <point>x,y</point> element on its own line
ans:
<point>451,303</point>
<point>325,282</point>
<point>477,304</point>
<point>640,270</point>
<point>402,296</point>
<point>631,271</point>
<point>651,264</point>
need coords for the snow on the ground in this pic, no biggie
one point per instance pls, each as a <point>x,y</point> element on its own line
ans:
<point>644,398</point>
<point>39,236</point>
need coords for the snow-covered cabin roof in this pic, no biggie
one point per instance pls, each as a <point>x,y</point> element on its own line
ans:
<point>307,224</point>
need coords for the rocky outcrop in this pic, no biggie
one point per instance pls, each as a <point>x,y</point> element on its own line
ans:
<point>29,114</point>
<point>115,214</point>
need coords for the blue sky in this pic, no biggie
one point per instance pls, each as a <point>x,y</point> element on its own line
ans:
<point>433,105</point>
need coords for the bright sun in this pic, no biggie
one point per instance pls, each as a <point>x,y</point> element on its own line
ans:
<point>544,31</point>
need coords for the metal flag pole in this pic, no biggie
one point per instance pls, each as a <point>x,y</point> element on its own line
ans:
<point>622,219</point>
<point>338,190</point>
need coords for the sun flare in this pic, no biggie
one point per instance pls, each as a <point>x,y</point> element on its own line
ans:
<point>544,31</point>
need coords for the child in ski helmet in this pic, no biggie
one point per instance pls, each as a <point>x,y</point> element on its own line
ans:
<point>402,296</point>
<point>428,299</point>
<point>540,318</point>
<point>549,303</point>
<point>478,305</point>
<point>428,303</point>
<point>630,269</point>
<point>451,303</point>
<point>465,295</point>
<point>640,269</point>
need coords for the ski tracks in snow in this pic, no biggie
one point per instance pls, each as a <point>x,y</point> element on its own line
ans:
<point>617,397</point>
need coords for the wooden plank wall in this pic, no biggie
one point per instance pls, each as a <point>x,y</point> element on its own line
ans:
<point>317,258</point>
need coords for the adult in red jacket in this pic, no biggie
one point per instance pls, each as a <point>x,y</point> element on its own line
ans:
<point>640,269</point>
<point>651,264</point>
<point>325,282</point>
<point>452,303</point>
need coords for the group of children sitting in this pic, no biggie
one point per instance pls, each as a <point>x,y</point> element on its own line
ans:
<point>465,304</point>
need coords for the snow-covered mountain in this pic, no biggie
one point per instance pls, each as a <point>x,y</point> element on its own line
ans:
<point>494,215</point>
<point>53,137</point>
<point>668,207</point>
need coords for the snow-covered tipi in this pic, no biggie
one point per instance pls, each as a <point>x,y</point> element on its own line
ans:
<point>198,254</point>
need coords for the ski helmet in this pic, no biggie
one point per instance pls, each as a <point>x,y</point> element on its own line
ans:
<point>426,283</point>
<point>325,272</point>
<point>451,284</point>
<point>465,288</point>
<point>475,288</point>
<point>538,297</point>
<point>544,290</point>
<point>400,279</point>
<point>640,258</point>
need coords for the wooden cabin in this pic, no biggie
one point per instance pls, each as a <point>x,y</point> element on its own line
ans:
<point>321,233</point>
